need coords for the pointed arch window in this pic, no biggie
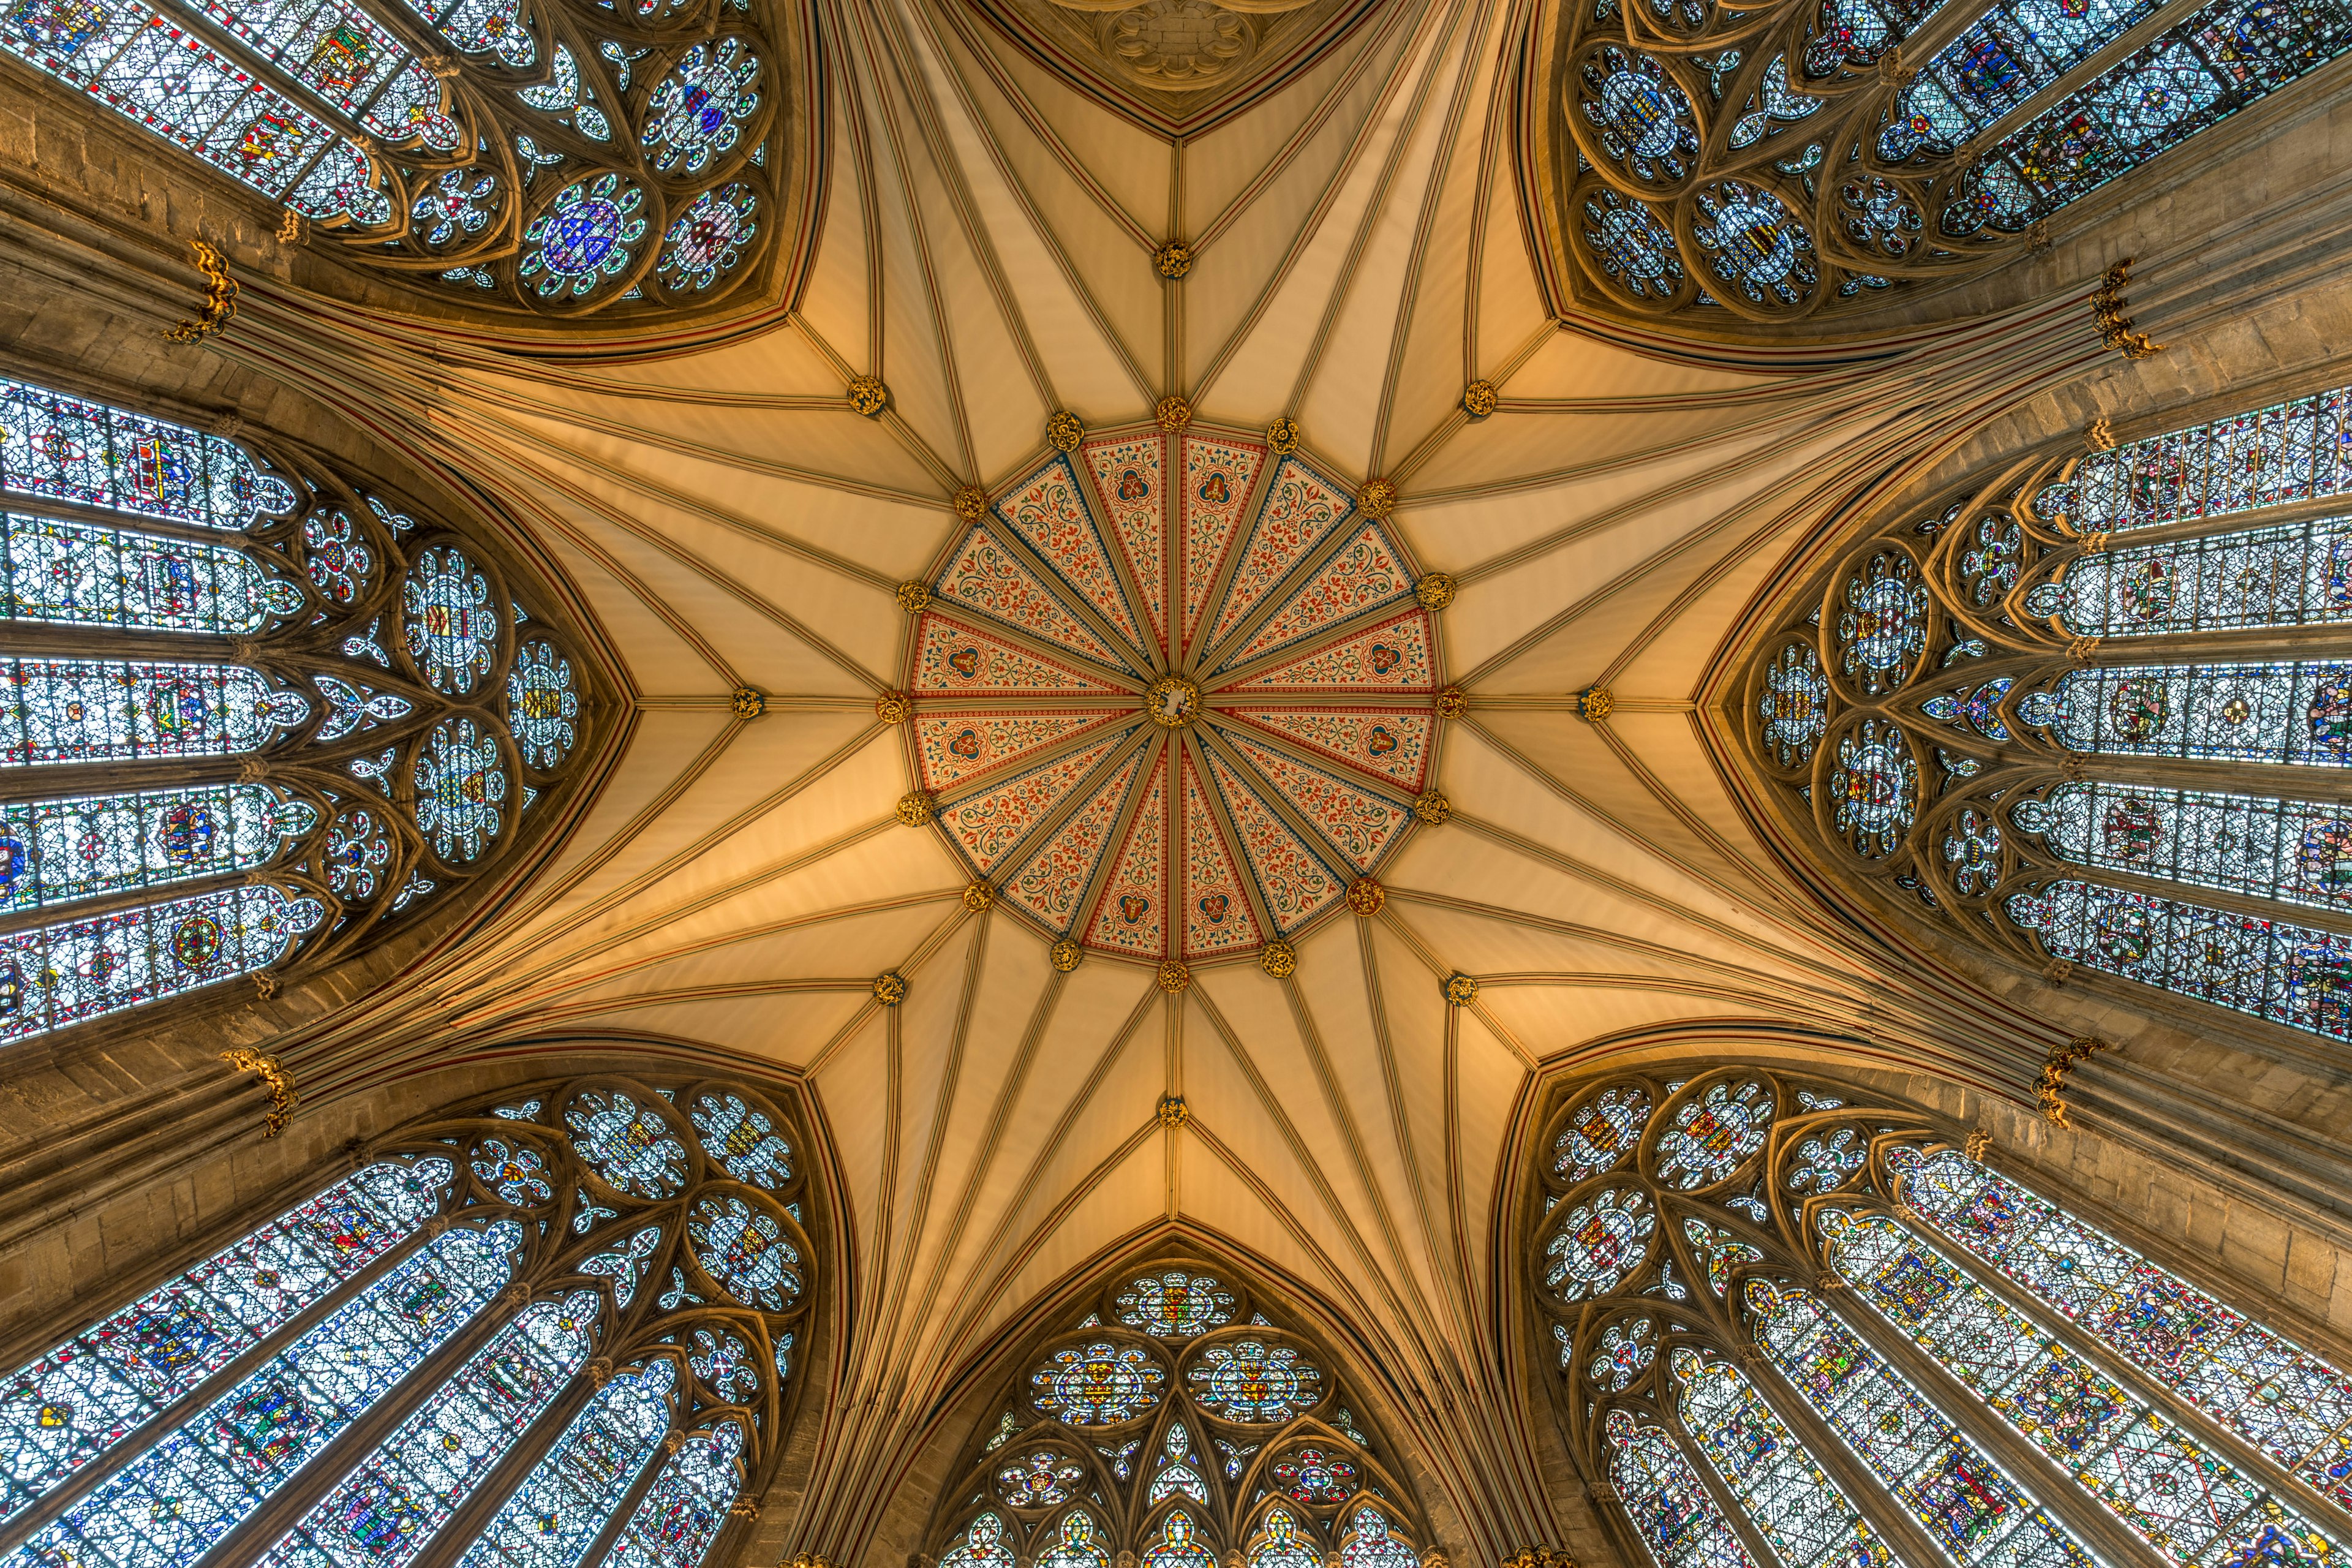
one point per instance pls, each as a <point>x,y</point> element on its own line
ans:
<point>1177,1425</point>
<point>1913,1359</point>
<point>2094,711</point>
<point>491,1344</point>
<point>257,714</point>
<point>559,159</point>
<point>1767,164</point>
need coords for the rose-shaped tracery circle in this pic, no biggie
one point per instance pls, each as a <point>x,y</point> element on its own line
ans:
<point>1145,665</point>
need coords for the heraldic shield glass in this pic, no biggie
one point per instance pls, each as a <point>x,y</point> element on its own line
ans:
<point>2094,711</point>
<point>560,1331</point>
<point>1793,1329</point>
<point>258,714</point>
<point>1179,1423</point>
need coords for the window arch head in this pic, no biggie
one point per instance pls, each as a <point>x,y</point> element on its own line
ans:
<point>264,710</point>
<point>1815,166</point>
<point>552,161</point>
<point>1173,1421</point>
<point>2092,711</point>
<point>508,1336</point>
<point>1848,1341</point>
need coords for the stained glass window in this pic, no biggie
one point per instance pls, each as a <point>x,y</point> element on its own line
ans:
<point>398,156</point>
<point>1787,1394</point>
<point>2004,736</point>
<point>333,1313</point>
<point>359,794</point>
<point>1170,1419</point>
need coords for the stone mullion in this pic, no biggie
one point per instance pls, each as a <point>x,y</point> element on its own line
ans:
<point>2046,1481</point>
<point>97,906</point>
<point>2259,906</point>
<point>617,1520</point>
<point>1734,1512</point>
<point>1067,595</point>
<point>2282,780</point>
<point>2304,509</point>
<point>132,1445</point>
<point>1343,534</point>
<point>2098,62</point>
<point>319,1475</point>
<point>505,1477</point>
<point>2243,1455</point>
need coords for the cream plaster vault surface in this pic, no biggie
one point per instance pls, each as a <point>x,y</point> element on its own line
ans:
<point>986,251</point>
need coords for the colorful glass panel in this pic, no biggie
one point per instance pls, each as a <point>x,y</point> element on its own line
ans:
<point>75,1403</point>
<point>79,574</point>
<point>1370,1543</point>
<point>401,1495</point>
<point>452,620</point>
<point>1712,1134</point>
<point>1598,1244</point>
<point>1280,1544</point>
<point>686,1508</point>
<point>1882,627</point>
<point>2290,451</point>
<point>2294,575</point>
<point>1078,1543</point>
<point>2287,1402</point>
<point>168,1506</point>
<point>56,851</point>
<point>2298,714</point>
<point>1794,705</point>
<point>1179,1544</point>
<point>1316,1476</point>
<point>543,705</point>
<point>1175,1304</point>
<point>2291,974</point>
<point>2297,851</point>
<point>1099,1384</point>
<point>1808,1521</point>
<point>56,974</point>
<point>1967,1503</point>
<point>744,1251</point>
<point>1043,1477</point>
<point>66,448</point>
<point>106,710</point>
<point>2006,56</point>
<point>631,1146</point>
<point>2182,1499</point>
<point>982,1545</point>
<point>698,110</point>
<point>742,1139</point>
<point>1601,1133</point>
<point>1252,1383</point>
<point>1668,1504</point>
<point>555,1515</point>
<point>461,781</point>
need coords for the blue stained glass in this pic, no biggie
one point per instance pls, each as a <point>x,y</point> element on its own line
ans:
<point>56,851</point>
<point>742,1139</point>
<point>167,1508</point>
<point>1967,1503</point>
<point>461,781</point>
<point>2299,714</point>
<point>2288,452</point>
<point>2299,851</point>
<point>555,1515</point>
<point>1632,245</point>
<point>105,710</point>
<point>697,112</point>
<point>542,707</point>
<point>2291,974</point>
<point>686,1508</point>
<point>745,1251</point>
<point>2185,1501</point>
<point>337,556</point>
<point>58,974</point>
<point>77,1401</point>
<point>396,1498</point>
<point>1254,1383</point>
<point>482,27</point>
<point>2297,575</point>
<point>1788,1497</point>
<point>2009,53</point>
<point>351,709</point>
<point>1669,1506</point>
<point>586,236</point>
<point>631,1146</point>
<point>2289,1403</point>
<point>94,453</point>
<point>626,1267</point>
<point>1175,1304</point>
<point>79,574</point>
<point>452,620</point>
<point>350,60</point>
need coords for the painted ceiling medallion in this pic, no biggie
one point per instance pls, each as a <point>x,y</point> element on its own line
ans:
<point>1173,693</point>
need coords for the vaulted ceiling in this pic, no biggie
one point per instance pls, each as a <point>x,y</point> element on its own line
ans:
<point>986,250</point>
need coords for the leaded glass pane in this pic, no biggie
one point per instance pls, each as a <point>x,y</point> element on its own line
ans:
<point>77,1401</point>
<point>554,1516</point>
<point>2007,55</point>
<point>686,1507</point>
<point>79,574</point>
<point>1967,1503</point>
<point>167,1508</point>
<point>1370,1543</point>
<point>56,974</point>
<point>395,1502</point>
<point>2287,452</point>
<point>1664,1498</point>
<point>1078,1543</point>
<point>66,448</point>
<point>2299,714</point>
<point>461,783</point>
<point>103,710</point>
<point>2298,851</point>
<point>2286,1401</point>
<point>2184,1500</point>
<point>743,1140</point>
<point>2296,574</point>
<point>56,851</point>
<point>453,620</point>
<point>543,705</point>
<point>1788,1497</point>
<point>2289,974</point>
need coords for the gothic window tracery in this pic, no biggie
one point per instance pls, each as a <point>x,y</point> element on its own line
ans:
<point>482,1344</point>
<point>1179,1424</point>
<point>258,714</point>
<point>563,158</point>
<point>2094,711</point>
<point>1911,1357</point>
<point>1767,164</point>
